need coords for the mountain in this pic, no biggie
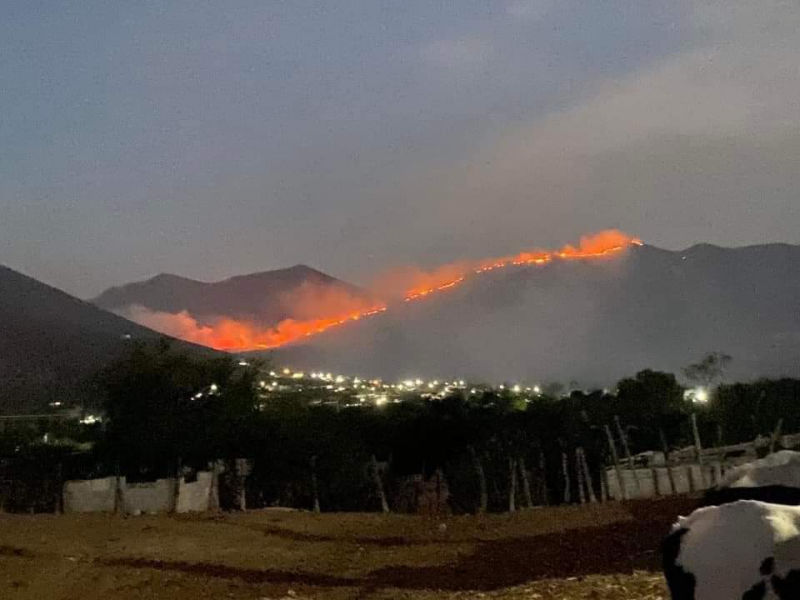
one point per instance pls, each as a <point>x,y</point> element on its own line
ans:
<point>51,343</point>
<point>263,299</point>
<point>588,321</point>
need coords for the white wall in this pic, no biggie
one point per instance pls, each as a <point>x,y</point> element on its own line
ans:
<point>97,495</point>
<point>151,497</point>
<point>90,495</point>
<point>195,496</point>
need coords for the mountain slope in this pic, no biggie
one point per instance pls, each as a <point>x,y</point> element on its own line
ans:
<point>51,343</point>
<point>263,299</point>
<point>589,321</point>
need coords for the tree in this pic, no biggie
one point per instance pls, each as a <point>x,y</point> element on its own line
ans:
<point>709,369</point>
<point>650,401</point>
<point>162,406</point>
<point>745,410</point>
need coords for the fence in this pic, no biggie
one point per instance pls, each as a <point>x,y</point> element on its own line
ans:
<point>663,481</point>
<point>687,470</point>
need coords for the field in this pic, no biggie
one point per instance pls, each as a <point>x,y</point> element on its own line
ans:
<point>598,552</point>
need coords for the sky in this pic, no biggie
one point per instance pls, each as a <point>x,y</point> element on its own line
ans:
<point>210,139</point>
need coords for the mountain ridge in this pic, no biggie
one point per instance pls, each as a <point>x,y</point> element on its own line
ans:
<point>592,321</point>
<point>52,343</point>
<point>264,298</point>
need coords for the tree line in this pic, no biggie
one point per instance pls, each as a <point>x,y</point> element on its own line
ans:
<point>169,412</point>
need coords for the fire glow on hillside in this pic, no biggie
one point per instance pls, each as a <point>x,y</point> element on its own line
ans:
<point>234,335</point>
<point>597,245</point>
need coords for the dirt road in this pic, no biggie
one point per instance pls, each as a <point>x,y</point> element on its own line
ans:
<point>597,552</point>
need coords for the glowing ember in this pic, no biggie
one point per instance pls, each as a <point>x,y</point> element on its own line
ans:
<point>229,334</point>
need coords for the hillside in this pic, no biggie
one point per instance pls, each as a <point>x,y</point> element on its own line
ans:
<point>263,299</point>
<point>585,321</point>
<point>51,343</point>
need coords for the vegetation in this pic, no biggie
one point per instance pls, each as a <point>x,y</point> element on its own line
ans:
<point>709,369</point>
<point>167,411</point>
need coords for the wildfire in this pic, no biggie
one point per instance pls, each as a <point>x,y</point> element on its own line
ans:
<point>414,294</point>
<point>233,335</point>
<point>291,330</point>
<point>597,245</point>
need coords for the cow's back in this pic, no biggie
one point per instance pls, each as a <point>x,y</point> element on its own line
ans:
<point>723,552</point>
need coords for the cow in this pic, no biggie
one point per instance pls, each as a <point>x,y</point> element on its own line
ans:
<point>746,550</point>
<point>774,479</point>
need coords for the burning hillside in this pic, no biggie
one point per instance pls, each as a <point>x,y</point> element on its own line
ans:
<point>314,308</point>
<point>589,321</point>
<point>597,245</point>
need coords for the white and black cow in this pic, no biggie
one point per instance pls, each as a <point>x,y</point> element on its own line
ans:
<point>745,550</point>
<point>774,478</point>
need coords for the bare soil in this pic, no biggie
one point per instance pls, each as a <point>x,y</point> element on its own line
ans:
<point>600,552</point>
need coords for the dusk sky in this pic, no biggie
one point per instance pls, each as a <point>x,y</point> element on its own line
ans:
<point>211,139</point>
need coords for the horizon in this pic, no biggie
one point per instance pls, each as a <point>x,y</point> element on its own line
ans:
<point>218,140</point>
<point>316,268</point>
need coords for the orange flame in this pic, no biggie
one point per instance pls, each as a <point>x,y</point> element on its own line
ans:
<point>234,335</point>
<point>334,311</point>
<point>597,245</point>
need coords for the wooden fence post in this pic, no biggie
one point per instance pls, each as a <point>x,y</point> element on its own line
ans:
<point>512,484</point>
<point>565,472</point>
<point>314,485</point>
<point>624,440</point>
<point>579,475</point>
<point>587,475</point>
<point>690,477</point>
<point>670,476</point>
<point>376,479</point>
<point>213,490</point>
<point>623,492</point>
<point>543,470</point>
<point>484,493</point>
<point>59,495</point>
<point>526,486</point>
<point>604,485</point>
<point>119,504</point>
<point>176,486</point>
<point>775,436</point>
<point>699,450</point>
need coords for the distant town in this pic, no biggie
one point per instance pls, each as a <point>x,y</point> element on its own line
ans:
<point>353,391</point>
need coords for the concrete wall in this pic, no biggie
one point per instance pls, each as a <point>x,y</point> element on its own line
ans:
<point>91,495</point>
<point>97,495</point>
<point>151,497</point>
<point>195,496</point>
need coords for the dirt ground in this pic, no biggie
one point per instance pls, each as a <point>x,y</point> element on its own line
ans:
<point>598,552</point>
